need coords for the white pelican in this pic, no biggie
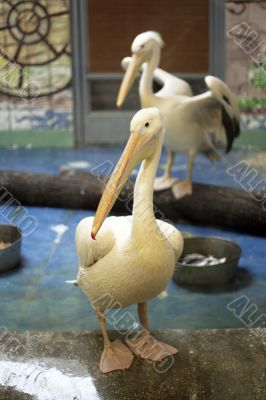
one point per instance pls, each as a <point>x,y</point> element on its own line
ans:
<point>133,258</point>
<point>199,123</point>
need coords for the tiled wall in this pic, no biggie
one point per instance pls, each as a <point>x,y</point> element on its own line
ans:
<point>246,59</point>
<point>35,65</point>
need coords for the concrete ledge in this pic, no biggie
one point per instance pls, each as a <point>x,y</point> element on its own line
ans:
<point>211,365</point>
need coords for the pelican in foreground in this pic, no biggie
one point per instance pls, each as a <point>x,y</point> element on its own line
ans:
<point>130,259</point>
<point>201,123</point>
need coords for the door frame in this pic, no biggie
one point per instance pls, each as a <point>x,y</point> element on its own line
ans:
<point>111,127</point>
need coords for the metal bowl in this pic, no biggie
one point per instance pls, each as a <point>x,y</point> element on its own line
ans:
<point>9,257</point>
<point>209,275</point>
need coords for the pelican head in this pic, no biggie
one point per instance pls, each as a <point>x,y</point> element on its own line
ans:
<point>146,128</point>
<point>142,49</point>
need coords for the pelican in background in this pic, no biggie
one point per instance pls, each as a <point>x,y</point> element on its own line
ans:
<point>201,123</point>
<point>171,84</point>
<point>131,258</point>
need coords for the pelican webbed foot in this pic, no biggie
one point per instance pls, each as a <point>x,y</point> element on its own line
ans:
<point>164,182</point>
<point>147,347</point>
<point>182,188</point>
<point>115,356</point>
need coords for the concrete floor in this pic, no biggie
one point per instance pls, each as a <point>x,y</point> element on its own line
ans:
<point>210,365</point>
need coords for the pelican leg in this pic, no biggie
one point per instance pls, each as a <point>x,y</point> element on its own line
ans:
<point>145,345</point>
<point>184,188</point>
<point>166,181</point>
<point>115,355</point>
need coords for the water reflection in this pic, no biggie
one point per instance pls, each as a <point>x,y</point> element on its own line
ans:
<point>47,382</point>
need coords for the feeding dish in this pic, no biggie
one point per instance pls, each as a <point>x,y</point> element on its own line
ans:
<point>10,247</point>
<point>208,275</point>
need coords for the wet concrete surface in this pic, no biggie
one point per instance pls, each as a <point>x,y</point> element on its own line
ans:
<point>211,365</point>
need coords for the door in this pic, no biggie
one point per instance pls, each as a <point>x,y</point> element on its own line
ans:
<point>102,33</point>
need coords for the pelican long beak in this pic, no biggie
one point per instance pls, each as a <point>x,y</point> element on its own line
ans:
<point>129,78</point>
<point>131,156</point>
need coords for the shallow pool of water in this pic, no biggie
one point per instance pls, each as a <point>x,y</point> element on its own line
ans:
<point>36,297</point>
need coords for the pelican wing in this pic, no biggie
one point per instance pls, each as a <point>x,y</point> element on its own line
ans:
<point>171,85</point>
<point>216,117</point>
<point>223,93</point>
<point>229,108</point>
<point>89,250</point>
<point>174,237</point>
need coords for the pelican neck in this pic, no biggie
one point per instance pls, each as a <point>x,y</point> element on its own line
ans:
<point>145,87</point>
<point>143,214</point>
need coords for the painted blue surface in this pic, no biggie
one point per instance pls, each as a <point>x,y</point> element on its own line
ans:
<point>48,119</point>
<point>36,297</point>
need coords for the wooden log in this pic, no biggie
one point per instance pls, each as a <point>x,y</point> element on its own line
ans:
<point>209,204</point>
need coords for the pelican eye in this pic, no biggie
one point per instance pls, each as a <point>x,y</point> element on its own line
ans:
<point>147,124</point>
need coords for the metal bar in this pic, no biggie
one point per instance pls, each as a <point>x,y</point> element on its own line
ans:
<point>217,38</point>
<point>119,76</point>
<point>79,64</point>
